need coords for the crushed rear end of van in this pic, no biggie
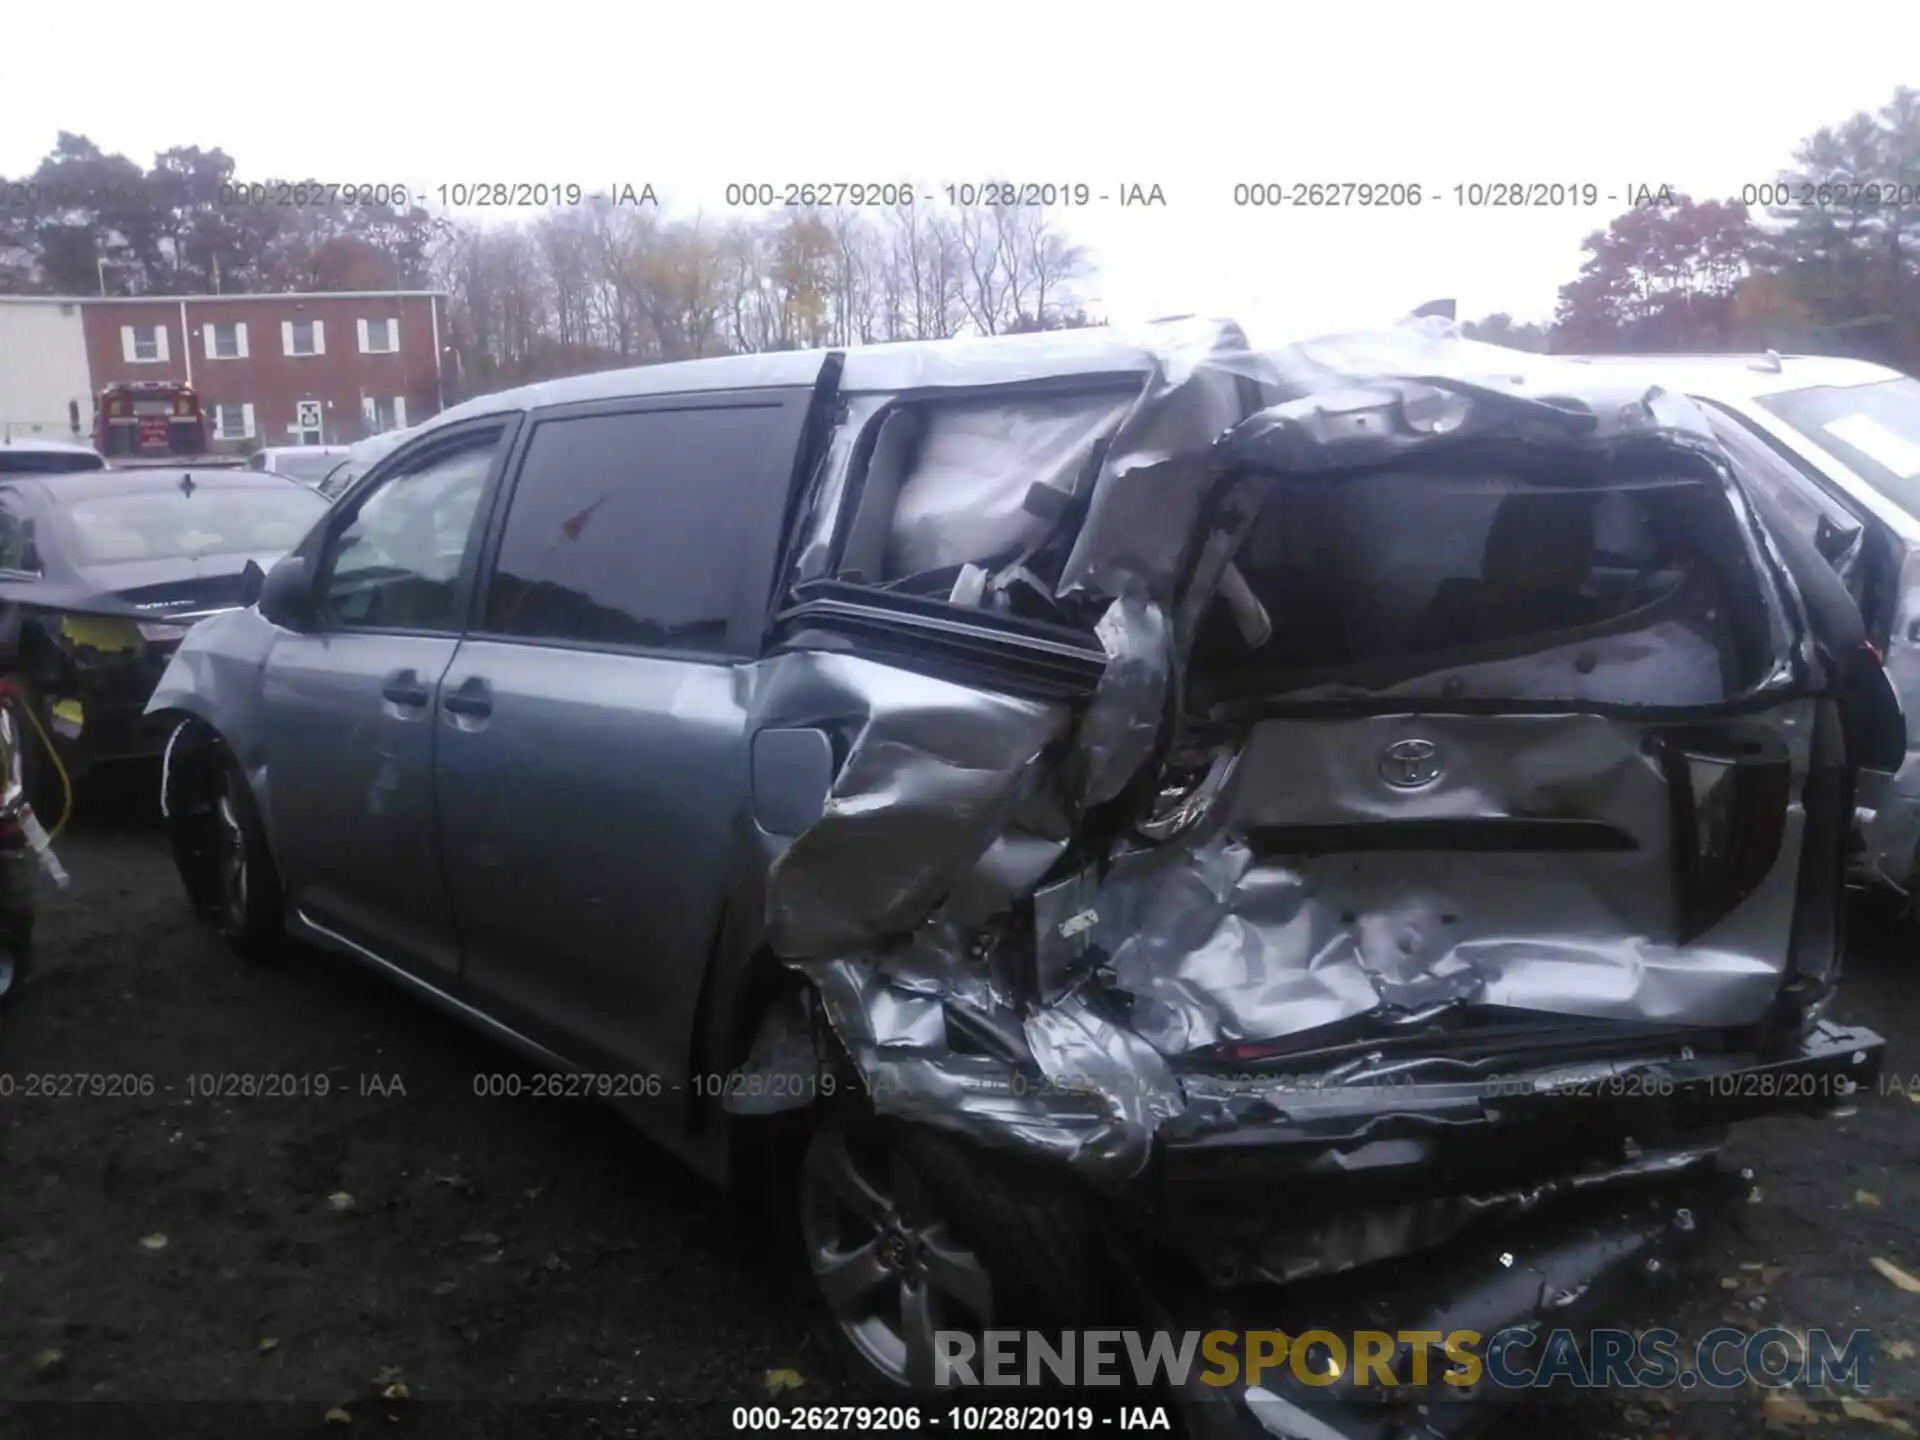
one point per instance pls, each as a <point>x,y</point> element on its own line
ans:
<point>1332,803</point>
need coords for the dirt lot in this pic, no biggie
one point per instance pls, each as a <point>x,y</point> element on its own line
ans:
<point>287,1256</point>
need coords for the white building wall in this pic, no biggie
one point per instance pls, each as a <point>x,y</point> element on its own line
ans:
<point>43,368</point>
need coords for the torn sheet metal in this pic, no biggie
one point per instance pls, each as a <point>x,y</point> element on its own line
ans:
<point>1248,1247</point>
<point>1197,926</point>
<point>1125,716</point>
<point>1215,942</point>
<point>1146,501</point>
<point>1433,350</point>
<point>1028,1097</point>
<point>827,497</point>
<point>1060,1082</point>
<point>1342,402</point>
<point>933,775</point>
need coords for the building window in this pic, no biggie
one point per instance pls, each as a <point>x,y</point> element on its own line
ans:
<point>143,344</point>
<point>379,337</point>
<point>232,421</point>
<point>226,342</point>
<point>303,337</point>
<point>381,416</point>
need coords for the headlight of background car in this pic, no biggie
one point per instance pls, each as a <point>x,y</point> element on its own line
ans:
<point>155,632</point>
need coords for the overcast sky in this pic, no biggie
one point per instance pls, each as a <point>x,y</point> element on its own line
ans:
<point>1193,98</point>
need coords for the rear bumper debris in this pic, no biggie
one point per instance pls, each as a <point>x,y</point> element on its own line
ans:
<point>1346,1144</point>
<point>1573,1271</point>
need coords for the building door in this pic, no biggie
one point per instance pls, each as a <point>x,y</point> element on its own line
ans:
<point>308,423</point>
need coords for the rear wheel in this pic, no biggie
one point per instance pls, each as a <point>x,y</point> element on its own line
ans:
<point>908,1233</point>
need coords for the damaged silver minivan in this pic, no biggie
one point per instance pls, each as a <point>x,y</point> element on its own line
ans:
<point>1154,822</point>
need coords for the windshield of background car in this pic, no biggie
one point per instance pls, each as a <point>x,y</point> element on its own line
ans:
<point>336,481</point>
<point>170,524</point>
<point>308,469</point>
<point>1875,429</point>
<point>46,462</point>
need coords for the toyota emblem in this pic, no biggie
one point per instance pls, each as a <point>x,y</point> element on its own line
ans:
<point>1410,764</point>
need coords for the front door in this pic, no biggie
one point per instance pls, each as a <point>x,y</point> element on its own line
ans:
<point>351,705</point>
<point>309,423</point>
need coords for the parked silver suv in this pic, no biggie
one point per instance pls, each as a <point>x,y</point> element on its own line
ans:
<point>1148,819</point>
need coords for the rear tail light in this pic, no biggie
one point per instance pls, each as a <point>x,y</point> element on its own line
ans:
<point>1729,787</point>
<point>1876,724</point>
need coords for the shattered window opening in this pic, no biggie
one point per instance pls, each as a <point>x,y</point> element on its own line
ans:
<point>1602,592</point>
<point>942,483</point>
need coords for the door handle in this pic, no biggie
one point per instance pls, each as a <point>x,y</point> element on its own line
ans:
<point>403,687</point>
<point>472,699</point>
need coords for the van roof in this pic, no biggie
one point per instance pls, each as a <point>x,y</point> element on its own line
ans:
<point>892,366</point>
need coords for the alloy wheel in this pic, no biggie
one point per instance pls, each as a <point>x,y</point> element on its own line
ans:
<point>885,1256</point>
<point>231,861</point>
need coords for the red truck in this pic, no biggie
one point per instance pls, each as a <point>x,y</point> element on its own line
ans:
<point>158,422</point>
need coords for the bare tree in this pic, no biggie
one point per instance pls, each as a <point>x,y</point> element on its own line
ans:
<point>601,285</point>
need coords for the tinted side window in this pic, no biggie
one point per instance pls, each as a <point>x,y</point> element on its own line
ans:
<point>46,462</point>
<point>629,530</point>
<point>396,566</point>
<point>16,538</point>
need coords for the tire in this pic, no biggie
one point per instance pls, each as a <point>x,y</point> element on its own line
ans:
<point>220,848</point>
<point>906,1231</point>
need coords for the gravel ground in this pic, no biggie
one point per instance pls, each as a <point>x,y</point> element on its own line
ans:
<point>346,1263</point>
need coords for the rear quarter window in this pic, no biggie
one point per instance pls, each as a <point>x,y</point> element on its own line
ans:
<point>47,462</point>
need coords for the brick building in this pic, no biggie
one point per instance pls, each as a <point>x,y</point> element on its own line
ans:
<point>268,367</point>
